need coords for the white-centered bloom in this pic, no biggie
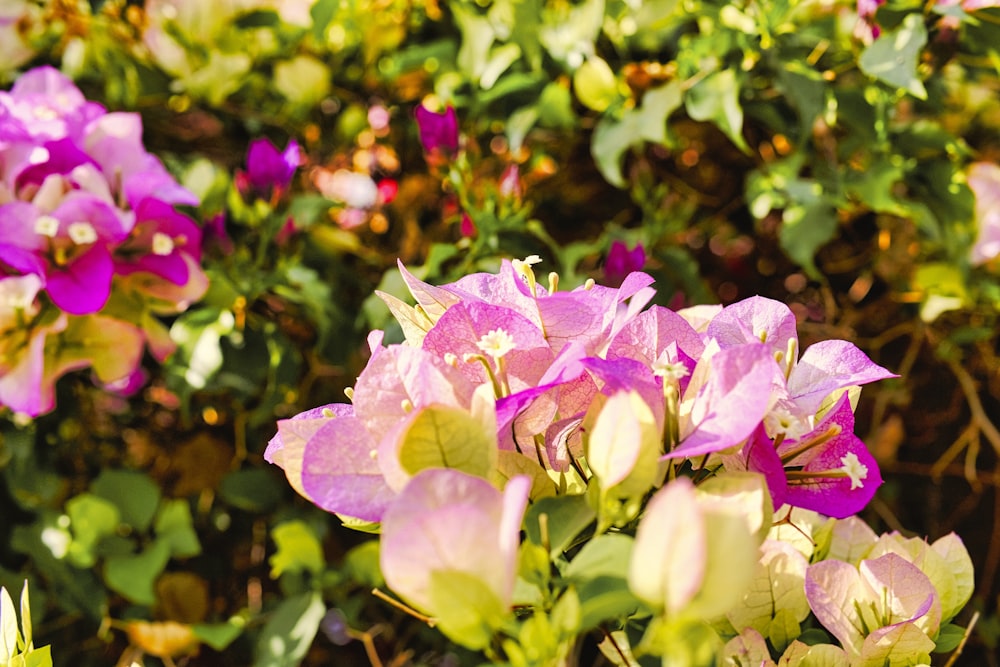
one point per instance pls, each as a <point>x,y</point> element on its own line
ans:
<point>671,370</point>
<point>854,469</point>
<point>46,225</point>
<point>82,232</point>
<point>162,244</point>
<point>496,343</point>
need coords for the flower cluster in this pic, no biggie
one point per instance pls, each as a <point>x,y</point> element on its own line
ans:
<point>91,246</point>
<point>508,395</point>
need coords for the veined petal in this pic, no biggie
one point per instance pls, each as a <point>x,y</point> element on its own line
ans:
<point>827,366</point>
<point>758,320</point>
<point>340,473</point>
<point>731,404</point>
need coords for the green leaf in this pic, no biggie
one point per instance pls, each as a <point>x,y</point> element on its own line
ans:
<point>254,490</point>
<point>648,122</point>
<point>362,564</point>
<point>567,516</point>
<point>555,107</point>
<point>298,549</point>
<point>804,229</point>
<point>604,599</point>
<point>308,209</point>
<point>466,609</point>
<point>290,631</point>
<point>40,657</point>
<point>218,635</point>
<point>565,615</point>
<point>174,526</point>
<point>133,576</point>
<point>893,57</point>
<point>79,590</point>
<point>716,98</point>
<point>783,629</point>
<point>439,436</point>
<point>949,638</point>
<point>91,519</point>
<point>874,187</point>
<point>595,84</point>
<point>605,555</point>
<point>134,494</point>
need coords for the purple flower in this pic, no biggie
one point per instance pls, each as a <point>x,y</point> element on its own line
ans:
<point>158,243</point>
<point>84,209</point>
<point>438,131</point>
<point>270,171</point>
<point>621,261</point>
<point>828,470</point>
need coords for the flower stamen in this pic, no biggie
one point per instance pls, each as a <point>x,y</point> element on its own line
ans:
<point>46,225</point>
<point>81,233</point>
<point>162,245</point>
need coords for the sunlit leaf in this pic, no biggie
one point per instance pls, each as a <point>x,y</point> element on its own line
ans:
<point>466,610</point>
<point>612,138</point>
<point>174,525</point>
<point>290,631</point>
<point>297,549</point>
<point>716,98</point>
<point>133,576</point>
<point>893,57</point>
<point>134,494</point>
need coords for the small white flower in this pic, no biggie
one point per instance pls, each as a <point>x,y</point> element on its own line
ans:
<point>671,370</point>
<point>163,245</point>
<point>854,469</point>
<point>522,265</point>
<point>82,232</point>
<point>46,225</point>
<point>496,343</point>
<point>44,112</point>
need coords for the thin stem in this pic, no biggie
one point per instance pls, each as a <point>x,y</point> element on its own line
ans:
<point>965,638</point>
<point>405,608</point>
<point>971,392</point>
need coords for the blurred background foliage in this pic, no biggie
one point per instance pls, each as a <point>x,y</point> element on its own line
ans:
<point>816,152</point>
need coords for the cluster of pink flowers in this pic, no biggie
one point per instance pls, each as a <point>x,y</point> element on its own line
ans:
<point>726,383</point>
<point>506,391</point>
<point>91,245</point>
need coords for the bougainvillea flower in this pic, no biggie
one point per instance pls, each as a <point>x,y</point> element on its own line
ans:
<point>438,131</point>
<point>510,183</point>
<point>79,198</point>
<point>867,30</point>
<point>693,552</point>
<point>23,331</point>
<point>984,179</point>
<point>268,169</point>
<point>159,242</point>
<point>339,473</point>
<point>449,547</point>
<point>48,105</point>
<point>728,396</point>
<point>114,141</point>
<point>828,470</point>
<point>72,244</point>
<point>621,261</point>
<point>880,611</point>
<point>822,369</point>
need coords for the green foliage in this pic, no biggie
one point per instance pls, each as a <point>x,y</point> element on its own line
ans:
<point>695,129</point>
